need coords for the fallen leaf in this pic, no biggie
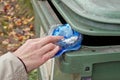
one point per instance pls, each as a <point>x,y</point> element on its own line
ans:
<point>5,42</point>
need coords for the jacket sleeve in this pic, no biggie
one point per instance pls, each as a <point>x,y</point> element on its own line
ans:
<point>11,68</point>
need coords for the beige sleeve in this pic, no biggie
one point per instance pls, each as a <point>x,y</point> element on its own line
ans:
<point>11,68</point>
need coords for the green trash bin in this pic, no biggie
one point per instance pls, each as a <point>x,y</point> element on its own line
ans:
<point>98,21</point>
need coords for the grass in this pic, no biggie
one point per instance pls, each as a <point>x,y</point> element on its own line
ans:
<point>33,75</point>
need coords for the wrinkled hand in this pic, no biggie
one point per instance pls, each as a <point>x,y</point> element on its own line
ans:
<point>35,52</point>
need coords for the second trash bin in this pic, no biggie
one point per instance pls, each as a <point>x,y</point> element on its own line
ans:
<point>99,22</point>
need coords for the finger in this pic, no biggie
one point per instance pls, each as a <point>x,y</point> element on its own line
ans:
<point>50,54</point>
<point>45,49</point>
<point>49,39</point>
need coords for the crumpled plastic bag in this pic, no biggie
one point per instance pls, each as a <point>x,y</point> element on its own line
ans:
<point>71,41</point>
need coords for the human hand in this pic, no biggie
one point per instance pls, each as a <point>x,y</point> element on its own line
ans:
<point>35,52</point>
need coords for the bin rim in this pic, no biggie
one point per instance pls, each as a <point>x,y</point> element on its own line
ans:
<point>82,27</point>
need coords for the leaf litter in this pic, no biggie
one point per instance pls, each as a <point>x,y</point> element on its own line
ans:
<point>16,25</point>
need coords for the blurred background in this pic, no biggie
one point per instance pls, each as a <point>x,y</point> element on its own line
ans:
<point>16,26</point>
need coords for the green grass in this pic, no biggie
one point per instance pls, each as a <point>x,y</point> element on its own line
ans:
<point>33,75</point>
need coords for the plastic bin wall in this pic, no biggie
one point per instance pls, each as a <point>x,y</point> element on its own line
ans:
<point>90,62</point>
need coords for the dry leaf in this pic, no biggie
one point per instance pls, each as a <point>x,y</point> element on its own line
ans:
<point>17,27</point>
<point>5,42</point>
<point>18,22</point>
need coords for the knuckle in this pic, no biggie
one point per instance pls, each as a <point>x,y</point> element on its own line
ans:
<point>51,45</point>
<point>33,46</point>
<point>50,37</point>
<point>45,58</point>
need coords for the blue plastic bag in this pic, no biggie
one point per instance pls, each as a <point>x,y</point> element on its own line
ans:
<point>72,39</point>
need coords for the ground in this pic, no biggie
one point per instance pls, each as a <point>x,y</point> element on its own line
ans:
<point>16,25</point>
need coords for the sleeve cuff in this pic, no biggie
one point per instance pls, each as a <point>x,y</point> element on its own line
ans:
<point>16,68</point>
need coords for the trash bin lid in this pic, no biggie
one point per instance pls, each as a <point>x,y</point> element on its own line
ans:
<point>84,22</point>
<point>99,10</point>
